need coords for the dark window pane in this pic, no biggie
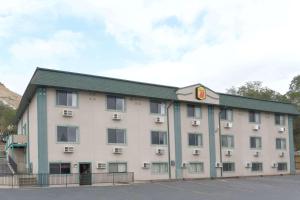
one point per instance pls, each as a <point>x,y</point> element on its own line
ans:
<point>191,111</point>
<point>154,107</point>
<point>61,98</point>
<point>111,102</point>
<point>223,114</point>
<point>154,137</point>
<point>112,136</point>
<point>62,134</point>
<point>65,168</point>
<point>54,168</point>
<point>113,167</point>
<point>228,167</point>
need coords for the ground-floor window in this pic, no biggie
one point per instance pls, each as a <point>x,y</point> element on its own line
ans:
<point>257,166</point>
<point>282,166</point>
<point>60,168</point>
<point>228,167</point>
<point>196,167</point>
<point>159,168</point>
<point>117,167</point>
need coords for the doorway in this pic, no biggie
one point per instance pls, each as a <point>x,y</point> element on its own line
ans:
<point>85,175</point>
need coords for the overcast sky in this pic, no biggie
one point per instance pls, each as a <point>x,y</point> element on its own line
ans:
<point>174,42</point>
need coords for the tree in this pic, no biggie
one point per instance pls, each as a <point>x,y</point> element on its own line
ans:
<point>256,90</point>
<point>7,115</point>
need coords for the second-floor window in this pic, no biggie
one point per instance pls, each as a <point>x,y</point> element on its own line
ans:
<point>280,143</point>
<point>255,142</point>
<point>157,107</point>
<point>115,103</point>
<point>226,114</point>
<point>116,136</point>
<point>67,134</point>
<point>254,116</point>
<point>227,141</point>
<point>159,137</point>
<point>66,98</point>
<point>279,119</point>
<point>195,139</point>
<point>194,111</point>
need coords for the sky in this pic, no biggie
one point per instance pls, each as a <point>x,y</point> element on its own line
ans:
<point>217,43</point>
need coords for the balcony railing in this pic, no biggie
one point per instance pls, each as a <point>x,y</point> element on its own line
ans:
<point>16,139</point>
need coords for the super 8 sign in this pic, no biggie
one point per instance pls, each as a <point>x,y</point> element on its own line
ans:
<point>200,93</point>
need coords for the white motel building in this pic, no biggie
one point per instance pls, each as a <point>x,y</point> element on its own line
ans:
<point>76,123</point>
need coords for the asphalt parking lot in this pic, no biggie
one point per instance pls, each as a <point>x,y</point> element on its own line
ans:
<point>273,188</point>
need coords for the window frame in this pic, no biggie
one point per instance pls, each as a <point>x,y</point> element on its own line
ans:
<point>285,144</point>
<point>285,169</point>
<point>68,142</point>
<point>68,92</point>
<point>194,107</point>
<point>226,110</point>
<point>260,147</point>
<point>283,119</point>
<point>117,163</point>
<point>228,163</point>
<point>161,103</point>
<point>60,167</point>
<point>227,147</point>
<point>199,135</point>
<point>166,137</point>
<point>256,113</point>
<point>196,172</point>
<point>116,97</point>
<point>260,169</point>
<point>125,136</point>
<point>160,171</point>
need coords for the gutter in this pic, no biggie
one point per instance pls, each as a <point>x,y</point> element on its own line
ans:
<point>168,135</point>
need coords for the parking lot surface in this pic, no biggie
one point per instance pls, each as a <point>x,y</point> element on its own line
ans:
<point>265,188</point>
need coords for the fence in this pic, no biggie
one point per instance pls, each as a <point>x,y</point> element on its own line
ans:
<point>297,162</point>
<point>41,180</point>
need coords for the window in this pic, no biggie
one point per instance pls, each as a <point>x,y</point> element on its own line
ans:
<point>196,167</point>
<point>227,141</point>
<point>195,139</point>
<point>157,107</point>
<point>159,168</point>
<point>194,111</point>
<point>226,114</point>
<point>60,168</point>
<point>228,167</point>
<point>115,103</point>
<point>256,166</point>
<point>254,117</point>
<point>67,134</point>
<point>282,166</point>
<point>117,167</point>
<point>255,142</point>
<point>158,137</point>
<point>279,119</point>
<point>116,136</point>
<point>65,98</point>
<point>280,143</point>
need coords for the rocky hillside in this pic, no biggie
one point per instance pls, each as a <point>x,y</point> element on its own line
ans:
<point>8,97</point>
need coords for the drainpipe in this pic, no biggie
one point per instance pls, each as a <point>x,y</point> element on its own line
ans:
<point>220,144</point>
<point>168,135</point>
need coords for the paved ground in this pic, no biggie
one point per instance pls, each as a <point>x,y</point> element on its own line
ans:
<point>264,188</point>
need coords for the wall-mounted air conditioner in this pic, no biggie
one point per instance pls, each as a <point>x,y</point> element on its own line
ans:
<point>101,165</point>
<point>274,165</point>
<point>281,154</point>
<point>218,165</point>
<point>117,150</point>
<point>228,125</point>
<point>228,153</point>
<point>69,149</point>
<point>116,116</point>
<point>256,127</point>
<point>183,165</point>
<point>159,151</point>
<point>248,165</point>
<point>159,120</point>
<point>195,122</point>
<point>281,130</point>
<point>146,165</point>
<point>196,152</point>
<point>256,154</point>
<point>67,113</point>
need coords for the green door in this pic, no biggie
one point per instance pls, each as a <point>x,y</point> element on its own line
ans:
<point>85,176</point>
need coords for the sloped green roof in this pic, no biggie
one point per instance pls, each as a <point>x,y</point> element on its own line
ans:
<point>257,104</point>
<point>61,79</point>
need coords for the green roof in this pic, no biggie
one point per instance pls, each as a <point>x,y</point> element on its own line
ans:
<point>69,80</point>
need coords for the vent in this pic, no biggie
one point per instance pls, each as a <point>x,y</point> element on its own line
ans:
<point>101,165</point>
<point>159,120</point>
<point>256,127</point>
<point>159,151</point>
<point>228,125</point>
<point>116,116</point>
<point>196,123</point>
<point>146,165</point>
<point>68,149</point>
<point>228,153</point>
<point>117,150</point>
<point>196,152</point>
<point>67,113</point>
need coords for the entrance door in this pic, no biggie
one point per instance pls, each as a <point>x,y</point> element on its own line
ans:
<point>85,176</point>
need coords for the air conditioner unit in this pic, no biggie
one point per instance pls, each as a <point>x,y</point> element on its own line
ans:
<point>228,153</point>
<point>116,116</point>
<point>281,154</point>
<point>281,130</point>
<point>196,152</point>
<point>101,165</point>
<point>159,151</point>
<point>218,165</point>
<point>117,150</point>
<point>146,165</point>
<point>256,154</point>
<point>159,120</point>
<point>228,125</point>
<point>256,127</point>
<point>274,165</point>
<point>68,149</point>
<point>183,165</point>
<point>196,123</point>
<point>67,113</point>
<point>248,165</point>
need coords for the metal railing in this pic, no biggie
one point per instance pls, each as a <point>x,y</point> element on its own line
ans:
<point>13,164</point>
<point>48,180</point>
